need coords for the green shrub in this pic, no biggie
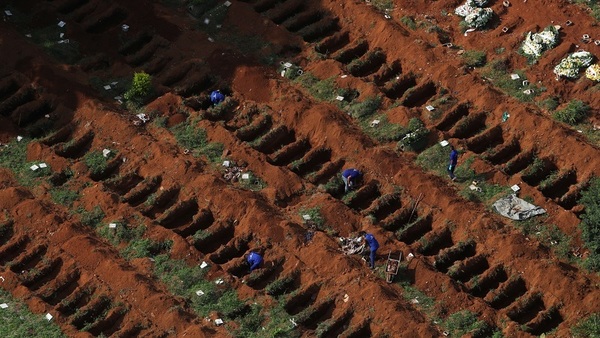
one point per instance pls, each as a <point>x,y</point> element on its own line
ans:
<point>91,218</point>
<point>140,88</point>
<point>588,327</point>
<point>590,223</point>
<point>474,58</point>
<point>408,22</point>
<point>549,104</point>
<point>315,217</point>
<point>576,111</point>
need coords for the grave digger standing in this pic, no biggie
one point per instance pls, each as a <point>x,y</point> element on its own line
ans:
<point>373,246</point>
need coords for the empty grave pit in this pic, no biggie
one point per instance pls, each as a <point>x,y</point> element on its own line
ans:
<point>319,30</point>
<point>146,52</point>
<point>538,171</point>
<point>364,196</point>
<point>157,64</point>
<point>142,191</point>
<point>124,183</point>
<point>335,326</point>
<point>287,10</point>
<point>260,278</point>
<point>284,284</point>
<point>75,148</point>
<point>179,214</point>
<point>290,152</point>
<point>486,140</point>
<point>274,140</point>
<point>469,126</point>
<point>570,199</point>
<point>111,18</point>
<point>13,249</point>
<point>526,309</point>
<point>451,118</point>
<point>264,5</point>
<point>311,162</point>
<point>61,288</point>
<point>387,73</point>
<point>333,43</point>
<point>214,237</point>
<point>8,86</point>
<point>398,219</point>
<point>385,206</point>
<point>110,323</point>
<point>507,293</point>
<point>79,298</point>
<point>503,153</point>
<point>91,312</point>
<point>198,102</point>
<point>68,6</point>
<point>396,88</point>
<point>236,248</point>
<point>111,168</point>
<point>59,136</point>
<point>445,258</point>
<point>6,231</point>
<point>28,259</point>
<point>162,201</point>
<point>136,43</point>
<point>302,299</point>
<point>467,269</point>
<point>367,64</point>
<point>419,95</point>
<point>545,321</point>
<point>360,330</point>
<point>195,84</point>
<point>302,20</point>
<point>327,171</point>
<point>415,230</point>
<point>20,97</point>
<point>488,281</point>
<point>176,74</point>
<point>352,52</point>
<point>257,127</point>
<point>519,163</point>
<point>42,274</point>
<point>560,186</point>
<point>201,221</point>
<point>313,315</point>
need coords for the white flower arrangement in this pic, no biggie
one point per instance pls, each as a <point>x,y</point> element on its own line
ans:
<point>537,43</point>
<point>572,64</point>
<point>593,72</point>
<point>469,6</point>
<point>479,17</point>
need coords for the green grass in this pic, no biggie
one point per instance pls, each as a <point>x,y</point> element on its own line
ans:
<point>498,73</point>
<point>194,139</point>
<point>385,131</point>
<point>363,108</point>
<point>409,22</point>
<point>64,196</point>
<point>315,217</point>
<point>322,90</point>
<point>253,183</point>
<point>575,112</point>
<point>14,158</point>
<point>463,322</point>
<point>17,321</point>
<point>122,233</point>
<point>436,159</point>
<point>590,224</point>
<point>474,58</point>
<point>588,327</point>
<point>145,247</point>
<point>549,235</point>
<point>91,218</point>
<point>96,162</point>
<point>383,5</point>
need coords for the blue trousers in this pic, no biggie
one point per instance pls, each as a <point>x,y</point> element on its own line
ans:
<point>373,258</point>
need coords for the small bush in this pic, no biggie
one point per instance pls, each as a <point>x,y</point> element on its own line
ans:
<point>96,162</point>
<point>91,218</point>
<point>474,58</point>
<point>463,322</point>
<point>590,224</point>
<point>140,88</point>
<point>576,111</point>
<point>408,22</point>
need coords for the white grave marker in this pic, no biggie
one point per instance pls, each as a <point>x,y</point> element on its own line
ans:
<point>19,138</point>
<point>49,316</point>
<point>515,188</point>
<point>226,163</point>
<point>3,305</point>
<point>43,165</point>
<point>112,225</point>
<point>199,292</point>
<point>444,143</point>
<point>515,76</point>
<point>61,24</point>
<point>219,321</point>
<point>203,265</point>
<point>246,176</point>
<point>8,13</point>
<point>339,98</point>
<point>306,217</point>
<point>105,152</point>
<point>34,167</point>
<point>430,108</point>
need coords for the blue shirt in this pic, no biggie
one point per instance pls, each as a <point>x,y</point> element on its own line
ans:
<point>351,173</point>
<point>217,97</point>
<point>453,157</point>
<point>254,260</point>
<point>373,244</point>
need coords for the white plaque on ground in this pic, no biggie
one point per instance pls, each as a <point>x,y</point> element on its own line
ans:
<point>306,217</point>
<point>444,143</point>
<point>203,265</point>
<point>246,176</point>
<point>112,225</point>
<point>515,188</point>
<point>199,292</point>
<point>3,305</point>
<point>49,316</point>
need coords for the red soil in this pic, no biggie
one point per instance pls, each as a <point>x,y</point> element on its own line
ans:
<point>178,56</point>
